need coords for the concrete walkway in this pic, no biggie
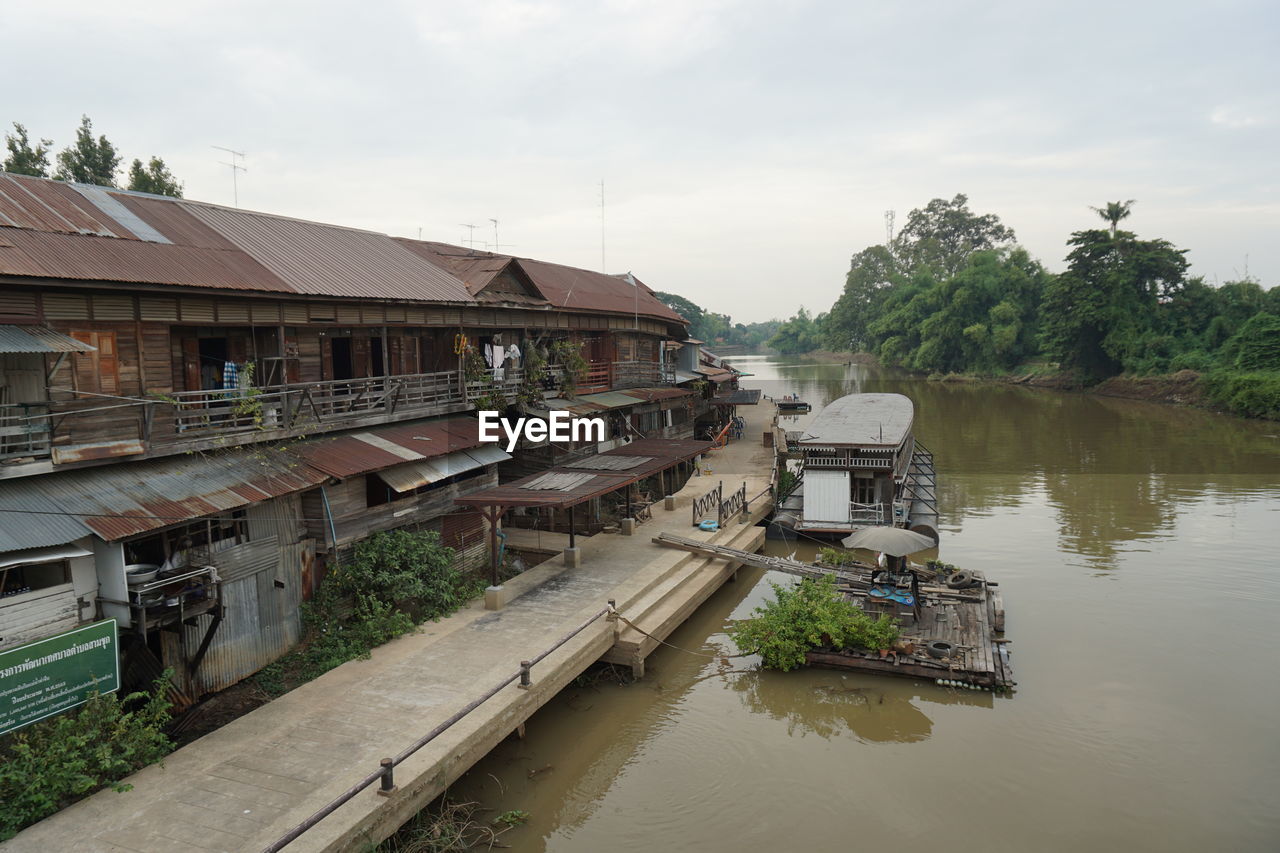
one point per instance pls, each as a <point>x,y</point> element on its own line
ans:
<point>245,785</point>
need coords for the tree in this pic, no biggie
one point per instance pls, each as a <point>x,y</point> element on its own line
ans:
<point>23,159</point>
<point>1114,212</point>
<point>1100,314</point>
<point>871,273</point>
<point>154,178</point>
<point>800,334</point>
<point>684,307</point>
<point>944,234</point>
<point>88,161</point>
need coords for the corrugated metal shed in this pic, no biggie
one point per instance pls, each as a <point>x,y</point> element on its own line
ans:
<point>325,259</point>
<point>570,287</point>
<point>39,339</point>
<point>382,447</point>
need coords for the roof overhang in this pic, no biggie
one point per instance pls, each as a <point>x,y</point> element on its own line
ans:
<point>39,339</point>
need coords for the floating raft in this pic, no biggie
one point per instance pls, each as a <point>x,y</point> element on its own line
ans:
<point>970,621</point>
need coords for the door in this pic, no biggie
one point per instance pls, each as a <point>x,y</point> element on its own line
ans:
<point>826,496</point>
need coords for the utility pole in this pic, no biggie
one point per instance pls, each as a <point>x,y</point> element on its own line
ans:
<point>235,167</point>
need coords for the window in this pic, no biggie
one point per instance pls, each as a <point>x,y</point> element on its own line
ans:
<point>208,535</point>
<point>99,371</point>
<point>30,577</point>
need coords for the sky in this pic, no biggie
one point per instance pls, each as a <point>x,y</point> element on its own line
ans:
<point>747,149</point>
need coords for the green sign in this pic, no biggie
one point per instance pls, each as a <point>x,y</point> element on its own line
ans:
<point>49,676</point>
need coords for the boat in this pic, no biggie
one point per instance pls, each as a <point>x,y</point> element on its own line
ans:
<point>860,465</point>
<point>791,403</point>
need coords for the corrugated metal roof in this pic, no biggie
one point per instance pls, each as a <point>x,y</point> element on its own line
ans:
<point>51,229</point>
<point>652,395</point>
<point>874,420</point>
<point>382,447</point>
<point>39,339</point>
<point>570,287</point>
<point>413,475</point>
<point>123,500</point>
<point>332,261</point>
<point>40,522</point>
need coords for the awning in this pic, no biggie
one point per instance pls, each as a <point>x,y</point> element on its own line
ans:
<point>415,475</point>
<point>372,449</point>
<point>35,556</point>
<point>39,339</point>
<point>740,397</point>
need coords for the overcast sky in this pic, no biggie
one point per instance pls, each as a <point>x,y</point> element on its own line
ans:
<point>747,149</point>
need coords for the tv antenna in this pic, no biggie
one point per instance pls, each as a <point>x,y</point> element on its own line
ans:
<point>471,238</point>
<point>889,216</point>
<point>235,167</point>
<point>602,264</point>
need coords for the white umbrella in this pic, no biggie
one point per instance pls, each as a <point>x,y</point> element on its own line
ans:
<point>894,541</point>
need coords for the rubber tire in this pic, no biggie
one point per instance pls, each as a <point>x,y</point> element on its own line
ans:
<point>961,580</point>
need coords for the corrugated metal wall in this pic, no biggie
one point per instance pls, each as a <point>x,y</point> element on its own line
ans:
<point>261,621</point>
<point>826,495</point>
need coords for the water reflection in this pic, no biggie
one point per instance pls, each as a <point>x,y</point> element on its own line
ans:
<point>830,706</point>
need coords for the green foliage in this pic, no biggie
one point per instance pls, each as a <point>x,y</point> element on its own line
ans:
<point>830,556</point>
<point>800,334</point>
<point>514,817</point>
<point>23,159</point>
<point>1255,347</point>
<point>809,615</point>
<point>943,234</point>
<point>47,766</point>
<point>393,581</point>
<point>718,328</point>
<point>480,382</point>
<point>154,178</point>
<point>568,354</point>
<point>1252,395</point>
<point>88,161</point>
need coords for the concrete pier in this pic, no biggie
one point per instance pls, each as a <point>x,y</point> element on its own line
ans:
<point>245,785</point>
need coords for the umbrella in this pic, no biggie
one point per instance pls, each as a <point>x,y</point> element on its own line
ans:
<point>894,541</point>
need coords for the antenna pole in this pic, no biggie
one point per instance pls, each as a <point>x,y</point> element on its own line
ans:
<point>472,238</point>
<point>235,167</point>
<point>602,263</point>
<point>495,233</point>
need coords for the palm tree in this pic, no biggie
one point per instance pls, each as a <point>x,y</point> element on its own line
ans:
<point>1114,212</point>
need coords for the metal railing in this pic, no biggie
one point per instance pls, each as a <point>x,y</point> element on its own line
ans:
<point>884,462</point>
<point>385,774</point>
<point>866,513</point>
<point>24,431</point>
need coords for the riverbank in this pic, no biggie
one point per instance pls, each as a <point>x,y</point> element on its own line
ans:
<point>1246,395</point>
<point>826,356</point>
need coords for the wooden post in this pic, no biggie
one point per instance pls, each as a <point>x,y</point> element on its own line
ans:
<point>572,542</point>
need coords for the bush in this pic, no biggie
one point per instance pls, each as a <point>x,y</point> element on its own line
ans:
<point>51,764</point>
<point>394,580</point>
<point>1197,360</point>
<point>806,616</point>
<point>1252,395</point>
<point>1256,347</point>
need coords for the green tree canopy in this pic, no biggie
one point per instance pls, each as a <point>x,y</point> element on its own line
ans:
<point>154,178</point>
<point>943,234</point>
<point>23,159</point>
<point>1103,311</point>
<point>88,161</point>
<point>802,333</point>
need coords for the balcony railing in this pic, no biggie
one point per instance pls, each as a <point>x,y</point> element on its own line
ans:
<point>866,513</point>
<point>24,431</point>
<point>881,462</point>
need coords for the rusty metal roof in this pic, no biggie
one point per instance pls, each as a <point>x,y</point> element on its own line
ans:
<point>51,229</point>
<point>570,287</point>
<point>653,395</point>
<point>124,500</point>
<point>660,454</point>
<point>382,447</point>
<point>328,260</point>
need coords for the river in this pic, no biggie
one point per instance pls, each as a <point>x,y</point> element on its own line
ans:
<point>1136,548</point>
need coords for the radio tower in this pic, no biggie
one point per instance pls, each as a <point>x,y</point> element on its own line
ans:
<point>888,227</point>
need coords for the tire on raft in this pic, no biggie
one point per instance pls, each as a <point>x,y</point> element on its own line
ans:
<point>961,580</point>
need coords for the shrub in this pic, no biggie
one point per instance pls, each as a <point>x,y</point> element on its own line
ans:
<point>809,615</point>
<point>394,580</point>
<point>1253,395</point>
<point>51,764</point>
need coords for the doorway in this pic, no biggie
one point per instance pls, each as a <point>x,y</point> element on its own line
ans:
<point>342,366</point>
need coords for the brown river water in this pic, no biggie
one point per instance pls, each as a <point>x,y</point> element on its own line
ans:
<point>1136,546</point>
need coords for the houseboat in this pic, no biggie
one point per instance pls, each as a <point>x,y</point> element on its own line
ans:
<point>860,465</point>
